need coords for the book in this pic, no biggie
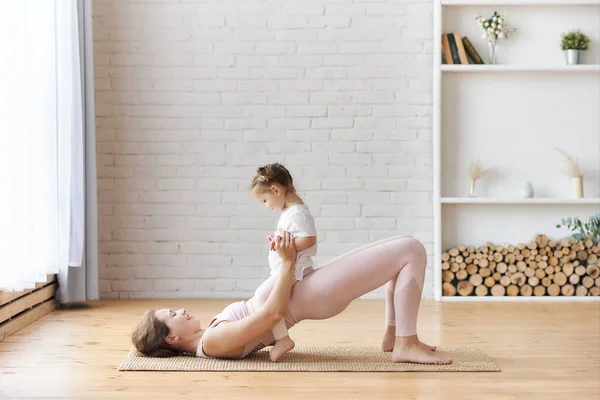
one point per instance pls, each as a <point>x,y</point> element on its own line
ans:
<point>446,49</point>
<point>471,51</point>
<point>453,49</point>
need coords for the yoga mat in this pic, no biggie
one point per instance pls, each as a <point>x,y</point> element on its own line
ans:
<point>347,358</point>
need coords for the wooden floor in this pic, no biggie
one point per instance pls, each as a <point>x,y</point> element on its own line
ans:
<point>545,350</point>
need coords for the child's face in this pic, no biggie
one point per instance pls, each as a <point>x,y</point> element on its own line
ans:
<point>272,198</point>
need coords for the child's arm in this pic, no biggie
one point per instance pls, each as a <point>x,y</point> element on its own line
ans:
<point>301,243</point>
<point>305,243</point>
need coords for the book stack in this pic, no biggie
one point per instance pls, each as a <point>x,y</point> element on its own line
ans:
<point>458,50</point>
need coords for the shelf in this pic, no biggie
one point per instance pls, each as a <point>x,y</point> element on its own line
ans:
<point>520,2</point>
<point>457,299</point>
<point>519,68</point>
<point>539,200</point>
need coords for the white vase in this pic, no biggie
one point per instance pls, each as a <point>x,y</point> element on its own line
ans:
<point>577,187</point>
<point>527,190</point>
<point>493,47</point>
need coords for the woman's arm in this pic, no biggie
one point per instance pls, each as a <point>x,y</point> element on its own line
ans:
<point>230,336</point>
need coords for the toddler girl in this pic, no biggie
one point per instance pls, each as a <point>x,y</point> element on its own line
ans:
<point>273,185</point>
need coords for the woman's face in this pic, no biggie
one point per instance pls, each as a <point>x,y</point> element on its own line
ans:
<point>181,324</point>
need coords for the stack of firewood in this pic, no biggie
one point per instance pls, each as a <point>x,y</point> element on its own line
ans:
<point>540,268</point>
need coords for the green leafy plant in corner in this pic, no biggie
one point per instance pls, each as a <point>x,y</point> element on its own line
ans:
<point>574,40</point>
<point>586,230</point>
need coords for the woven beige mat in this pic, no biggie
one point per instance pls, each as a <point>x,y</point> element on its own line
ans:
<point>315,358</point>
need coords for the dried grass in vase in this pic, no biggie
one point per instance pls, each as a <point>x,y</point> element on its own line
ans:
<point>476,171</point>
<point>572,164</point>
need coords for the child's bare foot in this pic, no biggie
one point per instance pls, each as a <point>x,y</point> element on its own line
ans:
<point>281,347</point>
<point>408,349</point>
<point>389,338</point>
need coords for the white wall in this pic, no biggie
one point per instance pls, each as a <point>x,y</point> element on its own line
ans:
<point>192,96</point>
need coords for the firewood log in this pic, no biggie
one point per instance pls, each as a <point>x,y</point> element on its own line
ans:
<point>526,290</point>
<point>465,288</point>
<point>546,282</point>
<point>581,291</point>
<point>542,240</point>
<point>476,280</point>
<point>560,278</point>
<point>553,290</point>
<point>448,289</point>
<point>512,290</point>
<point>498,290</point>
<point>489,282</point>
<point>595,291</point>
<point>588,282</point>
<point>574,279</point>
<point>539,290</point>
<point>461,274</point>
<point>529,272</point>
<point>533,281</point>
<point>481,290</point>
<point>447,276</point>
<point>518,279</point>
<point>567,290</point>
<point>593,271</point>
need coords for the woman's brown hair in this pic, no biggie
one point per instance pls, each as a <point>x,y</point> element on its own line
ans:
<point>149,337</point>
<point>270,174</point>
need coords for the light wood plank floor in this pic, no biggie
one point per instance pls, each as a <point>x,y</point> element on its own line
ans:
<point>545,350</point>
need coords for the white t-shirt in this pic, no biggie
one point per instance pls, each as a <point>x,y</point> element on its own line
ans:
<point>298,221</point>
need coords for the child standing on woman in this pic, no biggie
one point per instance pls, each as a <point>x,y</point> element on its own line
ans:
<point>273,185</point>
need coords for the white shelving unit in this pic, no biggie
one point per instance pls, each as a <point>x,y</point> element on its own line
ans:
<point>512,116</point>
<point>520,2</point>
<point>520,68</point>
<point>532,201</point>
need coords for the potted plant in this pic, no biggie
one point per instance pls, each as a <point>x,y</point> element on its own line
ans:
<point>573,43</point>
<point>587,230</point>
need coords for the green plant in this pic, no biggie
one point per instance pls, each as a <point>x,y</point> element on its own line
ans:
<point>587,230</point>
<point>574,40</point>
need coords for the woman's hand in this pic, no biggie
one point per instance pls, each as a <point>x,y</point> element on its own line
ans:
<point>285,246</point>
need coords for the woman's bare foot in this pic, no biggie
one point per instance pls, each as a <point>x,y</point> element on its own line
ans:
<point>409,349</point>
<point>281,347</point>
<point>389,338</point>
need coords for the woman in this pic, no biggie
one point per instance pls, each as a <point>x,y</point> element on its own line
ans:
<point>242,328</point>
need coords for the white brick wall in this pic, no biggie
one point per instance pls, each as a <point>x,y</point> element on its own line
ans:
<point>193,95</point>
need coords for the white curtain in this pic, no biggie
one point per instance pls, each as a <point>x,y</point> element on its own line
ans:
<point>42,142</point>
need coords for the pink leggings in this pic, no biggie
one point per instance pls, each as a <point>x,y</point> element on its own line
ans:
<point>398,261</point>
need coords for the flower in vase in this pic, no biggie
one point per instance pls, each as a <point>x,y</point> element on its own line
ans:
<point>494,28</point>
